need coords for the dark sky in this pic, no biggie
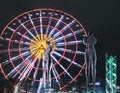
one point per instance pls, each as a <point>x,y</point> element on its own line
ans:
<point>101,17</point>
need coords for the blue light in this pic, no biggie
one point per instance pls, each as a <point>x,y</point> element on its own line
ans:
<point>97,83</point>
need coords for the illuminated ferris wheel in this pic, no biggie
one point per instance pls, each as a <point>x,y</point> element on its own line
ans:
<point>23,44</point>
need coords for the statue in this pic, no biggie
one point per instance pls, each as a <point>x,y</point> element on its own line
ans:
<point>47,67</point>
<point>90,59</point>
<point>47,54</point>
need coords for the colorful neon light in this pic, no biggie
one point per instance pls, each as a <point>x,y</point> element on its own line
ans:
<point>111,74</point>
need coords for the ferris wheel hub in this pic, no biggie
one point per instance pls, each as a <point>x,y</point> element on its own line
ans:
<point>38,45</point>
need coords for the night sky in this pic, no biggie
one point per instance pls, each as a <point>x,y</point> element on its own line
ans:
<point>101,17</point>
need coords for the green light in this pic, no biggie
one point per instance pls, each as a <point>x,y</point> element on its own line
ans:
<point>111,75</point>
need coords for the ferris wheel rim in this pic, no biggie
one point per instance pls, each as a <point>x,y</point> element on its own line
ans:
<point>65,42</point>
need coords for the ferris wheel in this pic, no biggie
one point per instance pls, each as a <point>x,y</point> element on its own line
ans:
<point>23,43</point>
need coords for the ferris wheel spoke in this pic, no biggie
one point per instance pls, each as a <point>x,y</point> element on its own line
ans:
<point>57,24</point>
<point>55,77</point>
<point>14,50</point>
<point>69,43</point>
<point>40,85</point>
<point>62,67</point>
<point>15,58</point>
<point>19,67</point>
<point>69,35</point>
<point>56,74</point>
<point>24,72</point>
<point>36,72</point>
<point>13,72</point>
<point>67,59</point>
<point>49,23</point>
<point>18,33</point>
<point>64,28</point>
<point>15,41</point>
<point>53,67</point>
<point>33,24</point>
<point>19,56</point>
<point>27,61</point>
<point>28,30</point>
<point>28,69</point>
<point>70,51</point>
<point>41,27</point>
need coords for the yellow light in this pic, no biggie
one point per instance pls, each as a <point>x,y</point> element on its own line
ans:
<point>38,45</point>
